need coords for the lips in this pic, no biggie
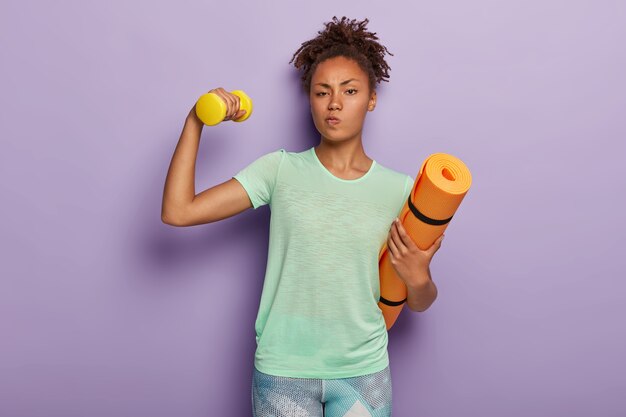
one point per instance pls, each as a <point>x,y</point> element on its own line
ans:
<point>332,120</point>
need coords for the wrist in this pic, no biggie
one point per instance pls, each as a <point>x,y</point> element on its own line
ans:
<point>192,117</point>
<point>420,279</point>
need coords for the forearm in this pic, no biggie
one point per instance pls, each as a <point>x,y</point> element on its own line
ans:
<point>422,292</point>
<point>180,189</point>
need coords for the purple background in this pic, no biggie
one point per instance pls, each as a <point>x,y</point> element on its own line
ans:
<point>106,311</point>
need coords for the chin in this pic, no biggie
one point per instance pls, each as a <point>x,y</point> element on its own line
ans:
<point>334,139</point>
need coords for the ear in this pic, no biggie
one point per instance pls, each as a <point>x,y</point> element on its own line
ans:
<point>372,102</point>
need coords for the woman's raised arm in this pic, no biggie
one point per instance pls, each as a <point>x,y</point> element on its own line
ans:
<point>181,206</point>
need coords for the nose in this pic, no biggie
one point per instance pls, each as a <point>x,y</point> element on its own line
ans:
<point>335,103</point>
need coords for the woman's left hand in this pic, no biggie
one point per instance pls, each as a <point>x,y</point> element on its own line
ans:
<point>407,259</point>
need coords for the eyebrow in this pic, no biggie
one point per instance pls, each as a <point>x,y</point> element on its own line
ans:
<point>342,83</point>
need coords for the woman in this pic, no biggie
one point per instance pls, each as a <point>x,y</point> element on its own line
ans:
<point>321,338</point>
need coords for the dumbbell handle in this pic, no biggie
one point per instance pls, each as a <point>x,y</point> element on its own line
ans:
<point>211,109</point>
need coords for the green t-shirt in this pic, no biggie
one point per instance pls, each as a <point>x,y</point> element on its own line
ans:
<point>318,315</point>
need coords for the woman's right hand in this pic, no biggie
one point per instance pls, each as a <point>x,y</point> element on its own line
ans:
<point>232,104</point>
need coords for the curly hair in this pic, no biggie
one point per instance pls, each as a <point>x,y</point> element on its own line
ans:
<point>347,38</point>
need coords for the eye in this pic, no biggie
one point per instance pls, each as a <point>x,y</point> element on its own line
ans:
<point>351,91</point>
<point>320,93</point>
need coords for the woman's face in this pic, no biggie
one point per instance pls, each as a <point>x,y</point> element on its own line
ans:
<point>340,99</point>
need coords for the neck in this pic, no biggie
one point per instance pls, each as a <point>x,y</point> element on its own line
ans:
<point>343,156</point>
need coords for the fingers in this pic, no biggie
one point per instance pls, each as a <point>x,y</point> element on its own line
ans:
<point>435,246</point>
<point>404,242</point>
<point>239,114</point>
<point>393,248</point>
<point>234,107</point>
<point>404,236</point>
<point>438,241</point>
<point>232,103</point>
<point>395,243</point>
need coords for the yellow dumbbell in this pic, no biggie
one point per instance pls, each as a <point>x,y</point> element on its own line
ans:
<point>211,109</point>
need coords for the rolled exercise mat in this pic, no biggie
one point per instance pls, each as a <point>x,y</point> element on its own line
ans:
<point>442,182</point>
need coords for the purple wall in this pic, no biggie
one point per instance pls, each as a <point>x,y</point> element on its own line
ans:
<point>107,312</point>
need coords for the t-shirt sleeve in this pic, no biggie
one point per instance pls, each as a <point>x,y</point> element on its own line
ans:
<point>259,178</point>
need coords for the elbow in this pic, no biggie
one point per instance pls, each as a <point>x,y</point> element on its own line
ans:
<point>416,309</point>
<point>174,214</point>
<point>166,220</point>
<point>171,220</point>
<point>420,309</point>
<point>424,305</point>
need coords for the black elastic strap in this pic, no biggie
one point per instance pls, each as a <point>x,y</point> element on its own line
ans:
<point>391,303</point>
<point>425,219</point>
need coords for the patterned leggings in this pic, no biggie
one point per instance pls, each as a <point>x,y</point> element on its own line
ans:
<point>361,396</point>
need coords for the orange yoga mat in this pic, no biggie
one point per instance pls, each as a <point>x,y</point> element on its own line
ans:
<point>442,182</point>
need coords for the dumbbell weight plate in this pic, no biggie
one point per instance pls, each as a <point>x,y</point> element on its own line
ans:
<point>211,109</point>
